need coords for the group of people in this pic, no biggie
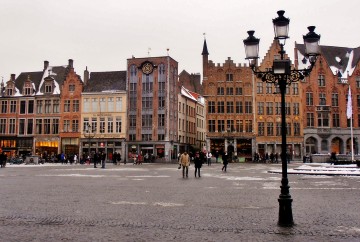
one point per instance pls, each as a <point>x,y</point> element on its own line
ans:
<point>198,159</point>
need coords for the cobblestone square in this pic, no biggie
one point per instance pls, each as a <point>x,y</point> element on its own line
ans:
<point>152,202</point>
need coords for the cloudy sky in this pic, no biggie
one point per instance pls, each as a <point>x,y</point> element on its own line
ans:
<point>103,34</point>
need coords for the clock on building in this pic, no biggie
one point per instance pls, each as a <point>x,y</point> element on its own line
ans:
<point>147,67</point>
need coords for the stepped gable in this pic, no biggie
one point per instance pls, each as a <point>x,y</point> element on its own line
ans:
<point>106,81</point>
<point>35,77</point>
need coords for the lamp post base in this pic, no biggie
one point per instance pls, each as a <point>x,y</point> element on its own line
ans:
<point>285,211</point>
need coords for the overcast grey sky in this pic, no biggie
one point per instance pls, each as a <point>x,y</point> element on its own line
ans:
<point>102,34</point>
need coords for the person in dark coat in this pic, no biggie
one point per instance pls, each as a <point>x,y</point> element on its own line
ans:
<point>118,158</point>
<point>225,161</point>
<point>114,158</point>
<point>103,159</point>
<point>198,163</point>
<point>96,159</point>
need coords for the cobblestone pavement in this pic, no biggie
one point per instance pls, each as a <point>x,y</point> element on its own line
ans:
<point>152,202</point>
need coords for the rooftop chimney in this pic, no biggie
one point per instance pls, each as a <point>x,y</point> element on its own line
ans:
<point>46,65</point>
<point>12,77</point>
<point>71,62</point>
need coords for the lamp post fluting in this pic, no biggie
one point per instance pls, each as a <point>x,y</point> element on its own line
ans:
<point>282,75</point>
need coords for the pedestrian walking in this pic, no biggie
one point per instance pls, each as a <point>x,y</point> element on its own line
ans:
<point>198,163</point>
<point>75,159</point>
<point>118,158</point>
<point>185,162</point>
<point>96,159</point>
<point>208,158</point>
<point>225,161</point>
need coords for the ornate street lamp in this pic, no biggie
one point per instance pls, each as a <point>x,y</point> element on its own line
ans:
<point>89,133</point>
<point>282,75</point>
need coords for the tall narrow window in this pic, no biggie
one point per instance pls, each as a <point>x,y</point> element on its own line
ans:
<point>86,105</point>
<point>110,126</point>
<point>118,124</point>
<point>4,105</point>
<point>2,125</point>
<point>309,99</point>
<point>110,105</point>
<point>67,106</point>
<point>229,77</point>
<point>22,107</point>
<point>47,106</point>
<point>47,126</point>
<point>102,105</point>
<point>248,107</point>
<point>56,105</point>
<point>76,106</point>
<point>239,107</point>
<point>102,125</point>
<point>21,126</point>
<point>13,106</point>
<point>261,128</point>
<point>94,104</point>
<point>336,120</point>
<point>119,104</point>
<point>269,129</point>
<point>55,126</point>
<point>11,126</point>
<point>39,107</point>
<point>211,125</point>
<point>31,106</point>
<point>66,127</point>
<point>260,108</point>
<point>321,81</point>
<point>75,125</point>
<point>229,107</point>
<point>248,126</point>
<point>211,107</point>
<point>221,108</point>
<point>38,126</point>
<point>30,126</point>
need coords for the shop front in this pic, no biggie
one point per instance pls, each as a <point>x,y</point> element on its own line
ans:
<point>107,146</point>
<point>49,146</point>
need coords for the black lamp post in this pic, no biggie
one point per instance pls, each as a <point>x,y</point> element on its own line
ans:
<point>89,133</point>
<point>282,75</point>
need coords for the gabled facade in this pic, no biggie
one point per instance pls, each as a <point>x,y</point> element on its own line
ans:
<point>70,111</point>
<point>49,110</point>
<point>152,106</point>
<point>229,94</point>
<point>325,97</point>
<point>103,107</point>
<point>268,112</point>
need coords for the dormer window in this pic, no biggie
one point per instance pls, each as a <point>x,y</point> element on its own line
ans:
<point>28,91</point>
<point>48,88</point>
<point>9,92</point>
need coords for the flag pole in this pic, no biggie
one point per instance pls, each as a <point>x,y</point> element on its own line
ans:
<point>349,114</point>
<point>352,140</point>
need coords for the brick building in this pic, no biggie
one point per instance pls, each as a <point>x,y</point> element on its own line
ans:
<point>152,106</point>
<point>324,100</point>
<point>268,112</point>
<point>228,90</point>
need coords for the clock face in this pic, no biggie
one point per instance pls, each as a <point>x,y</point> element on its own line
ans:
<point>147,68</point>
